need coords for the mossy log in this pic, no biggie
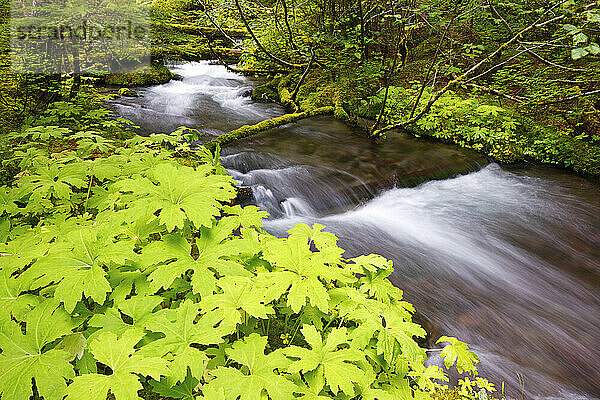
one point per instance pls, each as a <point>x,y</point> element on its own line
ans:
<point>250,130</point>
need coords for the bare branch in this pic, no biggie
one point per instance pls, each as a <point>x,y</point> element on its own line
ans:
<point>301,80</point>
<point>576,96</point>
<point>496,92</point>
<point>258,43</point>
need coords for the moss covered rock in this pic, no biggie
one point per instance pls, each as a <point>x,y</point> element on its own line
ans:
<point>127,92</point>
<point>156,74</point>
<point>267,92</point>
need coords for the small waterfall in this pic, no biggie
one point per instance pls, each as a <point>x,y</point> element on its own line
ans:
<point>294,206</point>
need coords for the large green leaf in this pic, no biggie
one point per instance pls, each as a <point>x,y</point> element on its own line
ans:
<point>301,270</point>
<point>459,353</point>
<point>184,390</point>
<point>124,362</point>
<point>260,376</point>
<point>7,200</point>
<point>240,295</point>
<point>179,194</point>
<point>25,357</point>
<point>213,249</point>
<point>396,331</point>
<point>181,332</point>
<point>76,264</point>
<point>12,302</point>
<point>53,180</point>
<point>138,308</point>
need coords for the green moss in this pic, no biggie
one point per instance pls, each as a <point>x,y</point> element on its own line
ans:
<point>267,91</point>
<point>285,98</point>
<point>156,74</point>
<point>127,92</point>
<point>340,113</point>
<point>249,130</point>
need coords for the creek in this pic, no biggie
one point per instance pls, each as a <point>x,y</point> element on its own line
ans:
<point>506,260</point>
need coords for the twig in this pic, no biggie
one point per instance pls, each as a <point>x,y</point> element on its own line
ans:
<point>494,91</point>
<point>576,96</point>
<point>258,43</point>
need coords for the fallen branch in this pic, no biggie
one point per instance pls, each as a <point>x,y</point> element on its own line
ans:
<point>250,130</point>
<point>212,21</point>
<point>494,91</point>
<point>239,70</point>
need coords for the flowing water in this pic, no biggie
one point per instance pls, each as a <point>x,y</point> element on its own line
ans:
<point>508,261</point>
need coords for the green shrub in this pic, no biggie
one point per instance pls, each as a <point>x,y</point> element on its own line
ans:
<point>499,132</point>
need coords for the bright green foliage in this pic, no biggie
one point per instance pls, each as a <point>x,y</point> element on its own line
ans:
<point>24,356</point>
<point>76,263</point>
<point>176,250</point>
<point>7,201</point>
<point>239,297</point>
<point>181,331</point>
<point>52,181</point>
<point>336,362</point>
<point>301,270</point>
<point>89,142</point>
<point>138,308</point>
<point>492,129</point>
<point>124,362</point>
<point>134,277</point>
<point>179,193</point>
<point>43,133</point>
<point>260,375</point>
<point>459,353</point>
<point>184,390</point>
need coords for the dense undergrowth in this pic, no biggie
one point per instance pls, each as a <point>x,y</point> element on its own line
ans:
<point>127,271</point>
<point>528,107</point>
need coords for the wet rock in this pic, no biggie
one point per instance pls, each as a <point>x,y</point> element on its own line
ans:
<point>247,93</point>
<point>432,331</point>
<point>243,196</point>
